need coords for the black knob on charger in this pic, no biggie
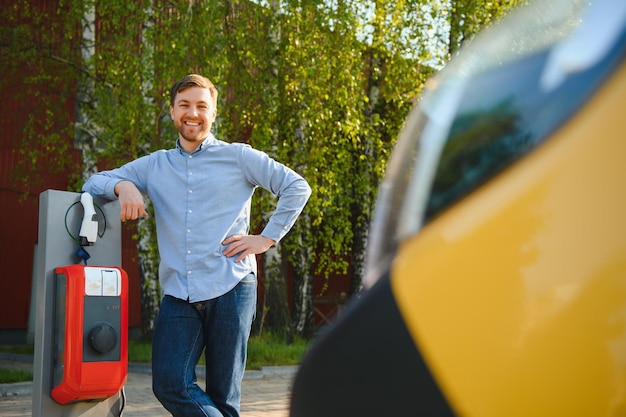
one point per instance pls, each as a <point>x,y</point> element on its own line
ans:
<point>102,338</point>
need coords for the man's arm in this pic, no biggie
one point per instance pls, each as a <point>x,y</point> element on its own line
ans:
<point>293,192</point>
<point>123,184</point>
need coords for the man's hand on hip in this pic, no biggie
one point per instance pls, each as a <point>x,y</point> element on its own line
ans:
<point>244,245</point>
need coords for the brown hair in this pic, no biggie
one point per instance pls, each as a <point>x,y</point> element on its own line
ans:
<point>193,80</point>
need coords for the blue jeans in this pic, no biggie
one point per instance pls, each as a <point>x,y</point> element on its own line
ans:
<point>183,330</point>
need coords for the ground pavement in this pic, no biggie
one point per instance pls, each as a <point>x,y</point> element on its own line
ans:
<point>265,392</point>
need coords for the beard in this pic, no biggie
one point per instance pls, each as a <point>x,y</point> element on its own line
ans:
<point>193,133</point>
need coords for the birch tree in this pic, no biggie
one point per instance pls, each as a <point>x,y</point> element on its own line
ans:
<point>322,86</point>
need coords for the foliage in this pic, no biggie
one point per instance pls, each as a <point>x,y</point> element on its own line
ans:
<point>468,17</point>
<point>323,87</point>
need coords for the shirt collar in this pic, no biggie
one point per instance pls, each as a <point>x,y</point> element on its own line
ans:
<point>207,142</point>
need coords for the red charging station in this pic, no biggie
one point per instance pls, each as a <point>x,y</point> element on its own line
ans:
<point>90,335</point>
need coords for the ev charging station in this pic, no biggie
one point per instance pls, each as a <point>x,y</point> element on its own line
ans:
<point>81,314</point>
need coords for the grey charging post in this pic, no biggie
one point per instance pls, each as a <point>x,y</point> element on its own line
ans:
<point>61,216</point>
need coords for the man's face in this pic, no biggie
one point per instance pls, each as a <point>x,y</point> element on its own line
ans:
<point>193,114</point>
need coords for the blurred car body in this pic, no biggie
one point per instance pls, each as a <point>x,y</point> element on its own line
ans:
<point>497,256</point>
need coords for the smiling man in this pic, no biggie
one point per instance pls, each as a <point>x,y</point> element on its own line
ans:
<point>193,111</point>
<point>201,192</point>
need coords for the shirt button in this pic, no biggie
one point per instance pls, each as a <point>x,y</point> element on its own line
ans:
<point>190,191</point>
<point>188,272</point>
<point>188,251</point>
<point>188,230</point>
<point>190,211</point>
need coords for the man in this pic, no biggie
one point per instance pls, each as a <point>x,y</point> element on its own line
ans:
<point>201,193</point>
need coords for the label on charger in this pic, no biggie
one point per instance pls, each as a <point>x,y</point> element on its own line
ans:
<point>102,281</point>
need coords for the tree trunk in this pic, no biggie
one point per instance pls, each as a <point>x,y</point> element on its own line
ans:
<point>360,228</point>
<point>456,29</point>
<point>302,311</point>
<point>275,309</point>
<point>149,277</point>
<point>302,295</point>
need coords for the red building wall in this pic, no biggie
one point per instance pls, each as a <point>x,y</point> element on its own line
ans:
<point>20,102</point>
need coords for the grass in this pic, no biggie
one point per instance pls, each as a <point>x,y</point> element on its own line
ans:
<point>9,376</point>
<point>266,350</point>
<point>18,349</point>
<point>271,351</point>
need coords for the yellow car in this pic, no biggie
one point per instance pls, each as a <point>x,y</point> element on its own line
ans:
<point>497,256</point>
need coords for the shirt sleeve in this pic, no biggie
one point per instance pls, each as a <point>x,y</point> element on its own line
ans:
<point>102,184</point>
<point>291,189</point>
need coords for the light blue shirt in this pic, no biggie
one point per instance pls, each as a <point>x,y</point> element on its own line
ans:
<point>201,198</point>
